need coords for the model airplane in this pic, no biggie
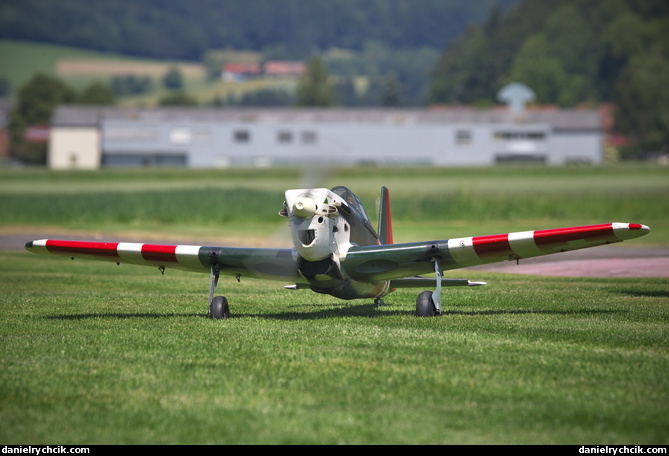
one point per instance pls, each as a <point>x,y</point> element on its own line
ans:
<point>338,252</point>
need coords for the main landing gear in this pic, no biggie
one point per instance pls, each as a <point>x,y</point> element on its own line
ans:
<point>218,306</point>
<point>428,303</point>
<point>425,305</point>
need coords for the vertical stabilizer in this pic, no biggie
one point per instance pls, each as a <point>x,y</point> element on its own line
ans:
<point>385,221</point>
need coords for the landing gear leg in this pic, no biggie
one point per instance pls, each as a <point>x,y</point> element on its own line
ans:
<point>218,306</point>
<point>378,302</point>
<point>436,296</point>
<point>428,303</point>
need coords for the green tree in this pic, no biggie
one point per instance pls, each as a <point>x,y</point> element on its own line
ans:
<point>452,77</point>
<point>391,92</point>
<point>173,79</point>
<point>314,88</point>
<point>97,93</point>
<point>643,103</point>
<point>34,106</point>
<point>5,87</point>
<point>178,99</point>
<point>130,85</point>
<point>545,74</point>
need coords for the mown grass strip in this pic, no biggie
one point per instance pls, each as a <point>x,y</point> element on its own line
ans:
<point>39,197</point>
<point>95,353</point>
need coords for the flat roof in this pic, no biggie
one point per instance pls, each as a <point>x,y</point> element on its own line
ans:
<point>558,119</point>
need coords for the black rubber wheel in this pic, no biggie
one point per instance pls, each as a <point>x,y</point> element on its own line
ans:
<point>424,305</point>
<point>219,308</point>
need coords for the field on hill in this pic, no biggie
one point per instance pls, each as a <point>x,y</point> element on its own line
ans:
<point>78,68</point>
<point>95,353</point>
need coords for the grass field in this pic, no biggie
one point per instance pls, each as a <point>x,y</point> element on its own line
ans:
<point>20,60</point>
<point>98,353</point>
<point>427,203</point>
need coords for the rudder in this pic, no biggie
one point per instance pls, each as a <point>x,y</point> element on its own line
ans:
<point>385,220</point>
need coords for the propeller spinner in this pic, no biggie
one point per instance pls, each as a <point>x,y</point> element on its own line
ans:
<point>304,207</point>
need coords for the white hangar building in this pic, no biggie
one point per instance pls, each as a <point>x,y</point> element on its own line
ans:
<point>91,137</point>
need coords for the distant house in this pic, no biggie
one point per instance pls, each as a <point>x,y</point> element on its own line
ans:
<point>279,69</point>
<point>75,138</point>
<point>238,72</point>
<point>91,137</point>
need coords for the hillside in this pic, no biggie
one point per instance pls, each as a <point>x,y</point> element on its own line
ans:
<point>78,68</point>
<point>22,59</point>
<point>433,51</point>
<point>173,29</point>
<point>363,46</point>
<point>569,53</point>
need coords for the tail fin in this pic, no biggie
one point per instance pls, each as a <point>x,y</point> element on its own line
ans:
<point>385,221</point>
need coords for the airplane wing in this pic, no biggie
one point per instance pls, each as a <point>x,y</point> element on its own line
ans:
<point>376,263</point>
<point>274,264</point>
<point>399,261</point>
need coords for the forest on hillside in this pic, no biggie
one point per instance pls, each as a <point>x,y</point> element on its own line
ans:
<point>185,30</point>
<point>412,52</point>
<point>400,39</point>
<point>570,53</point>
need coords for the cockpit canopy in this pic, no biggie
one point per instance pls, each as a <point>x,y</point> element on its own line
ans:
<point>352,201</point>
<point>367,237</point>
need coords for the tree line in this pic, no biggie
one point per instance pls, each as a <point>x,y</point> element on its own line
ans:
<point>178,30</point>
<point>39,97</point>
<point>570,53</point>
<point>381,38</point>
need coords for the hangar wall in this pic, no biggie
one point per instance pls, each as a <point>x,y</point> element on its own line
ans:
<point>206,137</point>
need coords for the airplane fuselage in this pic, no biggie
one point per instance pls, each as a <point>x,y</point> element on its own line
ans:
<point>324,225</point>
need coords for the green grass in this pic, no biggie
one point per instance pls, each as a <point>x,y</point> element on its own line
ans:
<point>426,203</point>
<point>21,60</point>
<point>93,353</point>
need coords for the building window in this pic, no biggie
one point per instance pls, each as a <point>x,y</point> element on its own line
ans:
<point>309,137</point>
<point>242,136</point>
<point>463,137</point>
<point>515,135</point>
<point>284,137</point>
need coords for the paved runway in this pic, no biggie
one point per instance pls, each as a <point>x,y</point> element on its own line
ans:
<point>601,267</point>
<point>605,261</point>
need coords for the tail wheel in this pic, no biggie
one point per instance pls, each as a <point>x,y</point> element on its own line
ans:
<point>219,308</point>
<point>425,306</point>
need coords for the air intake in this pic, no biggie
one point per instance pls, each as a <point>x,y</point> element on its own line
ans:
<point>307,236</point>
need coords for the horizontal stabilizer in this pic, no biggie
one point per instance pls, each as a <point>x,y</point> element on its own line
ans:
<point>426,282</point>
